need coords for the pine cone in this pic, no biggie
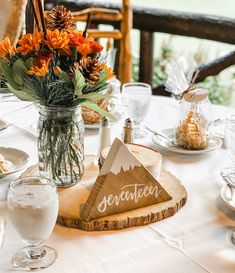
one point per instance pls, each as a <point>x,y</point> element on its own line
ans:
<point>90,69</point>
<point>59,18</point>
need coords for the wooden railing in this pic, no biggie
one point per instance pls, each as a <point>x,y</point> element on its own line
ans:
<point>151,20</point>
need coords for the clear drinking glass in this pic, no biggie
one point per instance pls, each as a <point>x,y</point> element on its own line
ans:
<point>33,208</point>
<point>137,98</point>
<point>228,174</point>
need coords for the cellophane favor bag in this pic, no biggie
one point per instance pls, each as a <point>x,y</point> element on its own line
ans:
<point>191,132</point>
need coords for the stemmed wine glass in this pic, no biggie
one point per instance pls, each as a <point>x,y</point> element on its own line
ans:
<point>33,209</point>
<point>137,97</point>
<point>228,174</point>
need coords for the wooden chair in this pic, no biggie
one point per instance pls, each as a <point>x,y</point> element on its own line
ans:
<point>12,19</point>
<point>124,18</point>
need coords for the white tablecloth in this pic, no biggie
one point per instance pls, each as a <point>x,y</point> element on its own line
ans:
<point>196,239</point>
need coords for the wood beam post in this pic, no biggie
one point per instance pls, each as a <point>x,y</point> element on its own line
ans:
<point>146,57</point>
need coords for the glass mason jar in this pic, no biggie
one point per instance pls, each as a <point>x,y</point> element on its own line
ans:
<point>61,144</point>
<point>192,130</point>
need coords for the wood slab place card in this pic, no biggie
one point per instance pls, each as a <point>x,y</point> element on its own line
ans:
<point>123,184</point>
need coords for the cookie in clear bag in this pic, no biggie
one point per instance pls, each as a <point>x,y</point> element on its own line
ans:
<point>195,110</point>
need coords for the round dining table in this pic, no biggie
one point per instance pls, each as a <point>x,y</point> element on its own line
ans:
<point>196,239</point>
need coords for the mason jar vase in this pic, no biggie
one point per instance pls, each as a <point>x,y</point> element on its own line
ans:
<point>61,144</point>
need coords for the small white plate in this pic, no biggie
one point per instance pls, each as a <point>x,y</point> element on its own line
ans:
<point>226,196</point>
<point>17,159</point>
<point>95,126</point>
<point>92,126</point>
<point>214,143</point>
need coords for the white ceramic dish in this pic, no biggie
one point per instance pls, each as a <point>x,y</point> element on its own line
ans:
<point>92,126</point>
<point>226,196</point>
<point>117,114</point>
<point>214,143</point>
<point>95,126</point>
<point>17,159</point>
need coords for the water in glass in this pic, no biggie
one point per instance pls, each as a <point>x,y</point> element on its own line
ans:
<point>137,97</point>
<point>33,209</point>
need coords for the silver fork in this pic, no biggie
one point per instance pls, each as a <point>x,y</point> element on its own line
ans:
<point>174,143</point>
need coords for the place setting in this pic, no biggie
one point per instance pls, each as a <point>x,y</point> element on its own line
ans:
<point>228,174</point>
<point>193,133</point>
<point>12,160</point>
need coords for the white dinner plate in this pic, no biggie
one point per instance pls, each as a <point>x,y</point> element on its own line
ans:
<point>17,159</point>
<point>95,126</point>
<point>214,143</point>
<point>226,196</point>
<point>92,126</point>
<point>117,114</point>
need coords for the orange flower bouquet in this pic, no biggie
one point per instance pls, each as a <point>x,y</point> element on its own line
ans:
<point>60,69</point>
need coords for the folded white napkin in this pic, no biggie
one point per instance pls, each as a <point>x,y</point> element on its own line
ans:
<point>2,232</point>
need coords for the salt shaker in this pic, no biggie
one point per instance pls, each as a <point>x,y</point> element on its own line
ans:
<point>104,136</point>
<point>128,131</point>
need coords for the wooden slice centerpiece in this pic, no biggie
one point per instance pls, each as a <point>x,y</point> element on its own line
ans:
<point>72,201</point>
<point>76,209</point>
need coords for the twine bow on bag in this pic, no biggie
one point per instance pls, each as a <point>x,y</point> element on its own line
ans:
<point>180,87</point>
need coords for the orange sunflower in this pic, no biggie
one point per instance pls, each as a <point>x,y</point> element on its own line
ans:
<point>95,47</point>
<point>108,70</point>
<point>56,70</point>
<point>82,44</point>
<point>56,39</point>
<point>40,68</point>
<point>30,43</point>
<point>76,38</point>
<point>6,48</point>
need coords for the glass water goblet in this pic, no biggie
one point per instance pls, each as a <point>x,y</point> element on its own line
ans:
<point>228,174</point>
<point>33,208</point>
<point>137,97</point>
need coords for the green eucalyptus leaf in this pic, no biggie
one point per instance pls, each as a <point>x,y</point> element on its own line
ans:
<point>20,94</point>
<point>29,91</point>
<point>103,76</point>
<point>102,82</point>
<point>95,96</point>
<point>91,105</point>
<point>64,76</point>
<point>7,72</point>
<point>18,71</point>
<point>79,82</point>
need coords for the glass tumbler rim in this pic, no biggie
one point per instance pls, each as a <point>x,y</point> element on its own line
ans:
<point>143,84</point>
<point>30,178</point>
